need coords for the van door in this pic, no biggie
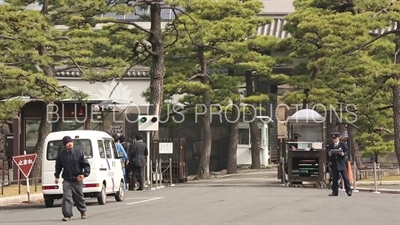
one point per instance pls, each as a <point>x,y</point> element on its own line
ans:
<point>105,166</point>
<point>113,187</point>
<point>119,164</point>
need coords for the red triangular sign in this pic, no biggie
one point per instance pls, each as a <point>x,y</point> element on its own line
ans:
<point>25,163</point>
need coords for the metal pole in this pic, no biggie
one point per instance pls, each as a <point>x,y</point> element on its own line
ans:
<point>170,173</point>
<point>161,174</point>
<point>375,181</point>
<point>157,174</point>
<point>379,174</point>
<point>151,174</point>
<point>283,172</point>
<point>355,177</point>
<point>148,157</point>
<point>27,185</point>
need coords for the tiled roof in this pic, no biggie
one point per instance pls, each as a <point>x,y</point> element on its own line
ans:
<point>166,14</point>
<point>133,72</point>
<point>275,28</point>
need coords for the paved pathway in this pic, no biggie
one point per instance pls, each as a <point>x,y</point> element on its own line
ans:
<point>238,199</point>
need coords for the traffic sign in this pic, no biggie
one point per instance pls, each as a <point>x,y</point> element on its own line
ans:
<point>148,123</point>
<point>25,163</point>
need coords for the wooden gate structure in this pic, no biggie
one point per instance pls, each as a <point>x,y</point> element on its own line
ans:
<point>178,156</point>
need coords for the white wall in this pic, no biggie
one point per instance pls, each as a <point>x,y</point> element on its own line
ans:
<point>127,90</point>
<point>277,6</point>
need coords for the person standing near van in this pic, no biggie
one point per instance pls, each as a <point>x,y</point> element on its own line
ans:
<point>137,160</point>
<point>125,159</point>
<point>75,168</point>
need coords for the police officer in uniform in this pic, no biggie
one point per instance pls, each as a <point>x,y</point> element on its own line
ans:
<point>338,164</point>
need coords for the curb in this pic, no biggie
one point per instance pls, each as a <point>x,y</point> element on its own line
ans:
<point>20,199</point>
<point>385,191</point>
<point>390,183</point>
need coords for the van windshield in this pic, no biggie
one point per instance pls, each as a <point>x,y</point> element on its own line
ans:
<point>53,147</point>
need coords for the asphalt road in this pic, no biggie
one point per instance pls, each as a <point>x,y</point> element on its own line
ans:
<point>389,187</point>
<point>239,199</point>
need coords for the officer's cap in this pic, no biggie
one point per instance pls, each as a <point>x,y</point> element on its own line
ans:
<point>296,135</point>
<point>335,134</point>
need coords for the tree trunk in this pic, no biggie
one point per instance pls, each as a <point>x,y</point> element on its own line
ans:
<point>396,120</point>
<point>204,165</point>
<point>330,126</point>
<point>342,129</point>
<point>255,144</point>
<point>233,137</point>
<point>157,69</point>
<point>254,131</point>
<point>355,150</point>
<point>43,131</point>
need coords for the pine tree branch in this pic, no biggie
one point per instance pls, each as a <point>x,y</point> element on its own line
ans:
<point>373,40</point>
<point>61,38</point>
<point>73,60</point>
<point>386,9</point>
<point>7,37</point>
<point>16,63</point>
<point>226,55</point>
<point>198,76</point>
<point>128,23</point>
<point>147,47</point>
<point>381,129</point>
<point>174,28</point>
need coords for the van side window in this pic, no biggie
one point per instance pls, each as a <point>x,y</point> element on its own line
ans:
<point>114,148</point>
<point>107,147</point>
<point>54,147</point>
<point>101,149</point>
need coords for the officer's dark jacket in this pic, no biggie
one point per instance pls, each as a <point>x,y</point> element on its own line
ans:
<point>141,151</point>
<point>73,163</point>
<point>337,161</point>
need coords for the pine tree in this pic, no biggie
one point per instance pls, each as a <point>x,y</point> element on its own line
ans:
<point>33,51</point>
<point>206,31</point>
<point>347,63</point>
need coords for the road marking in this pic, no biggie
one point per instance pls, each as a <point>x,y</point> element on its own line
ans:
<point>143,197</point>
<point>143,201</point>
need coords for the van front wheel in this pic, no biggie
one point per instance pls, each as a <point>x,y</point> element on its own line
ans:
<point>101,199</point>
<point>48,201</point>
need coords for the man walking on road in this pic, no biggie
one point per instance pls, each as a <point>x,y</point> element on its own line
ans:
<point>137,160</point>
<point>75,167</point>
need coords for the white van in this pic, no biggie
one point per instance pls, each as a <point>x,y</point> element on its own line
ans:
<point>106,176</point>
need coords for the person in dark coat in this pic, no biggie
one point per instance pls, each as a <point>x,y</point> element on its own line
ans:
<point>296,138</point>
<point>75,168</point>
<point>338,164</point>
<point>137,160</point>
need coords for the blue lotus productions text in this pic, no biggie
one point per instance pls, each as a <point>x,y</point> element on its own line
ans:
<point>344,113</point>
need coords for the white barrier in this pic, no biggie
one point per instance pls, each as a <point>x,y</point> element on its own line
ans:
<point>375,181</point>
<point>157,175</point>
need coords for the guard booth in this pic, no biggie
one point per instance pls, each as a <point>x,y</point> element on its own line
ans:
<point>306,165</point>
<point>161,153</point>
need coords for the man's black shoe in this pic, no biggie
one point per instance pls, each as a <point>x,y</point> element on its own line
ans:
<point>349,193</point>
<point>333,194</point>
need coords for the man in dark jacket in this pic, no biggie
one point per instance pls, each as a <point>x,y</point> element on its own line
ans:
<point>338,164</point>
<point>75,167</point>
<point>137,160</point>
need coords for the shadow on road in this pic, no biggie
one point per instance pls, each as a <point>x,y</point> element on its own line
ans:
<point>36,206</point>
